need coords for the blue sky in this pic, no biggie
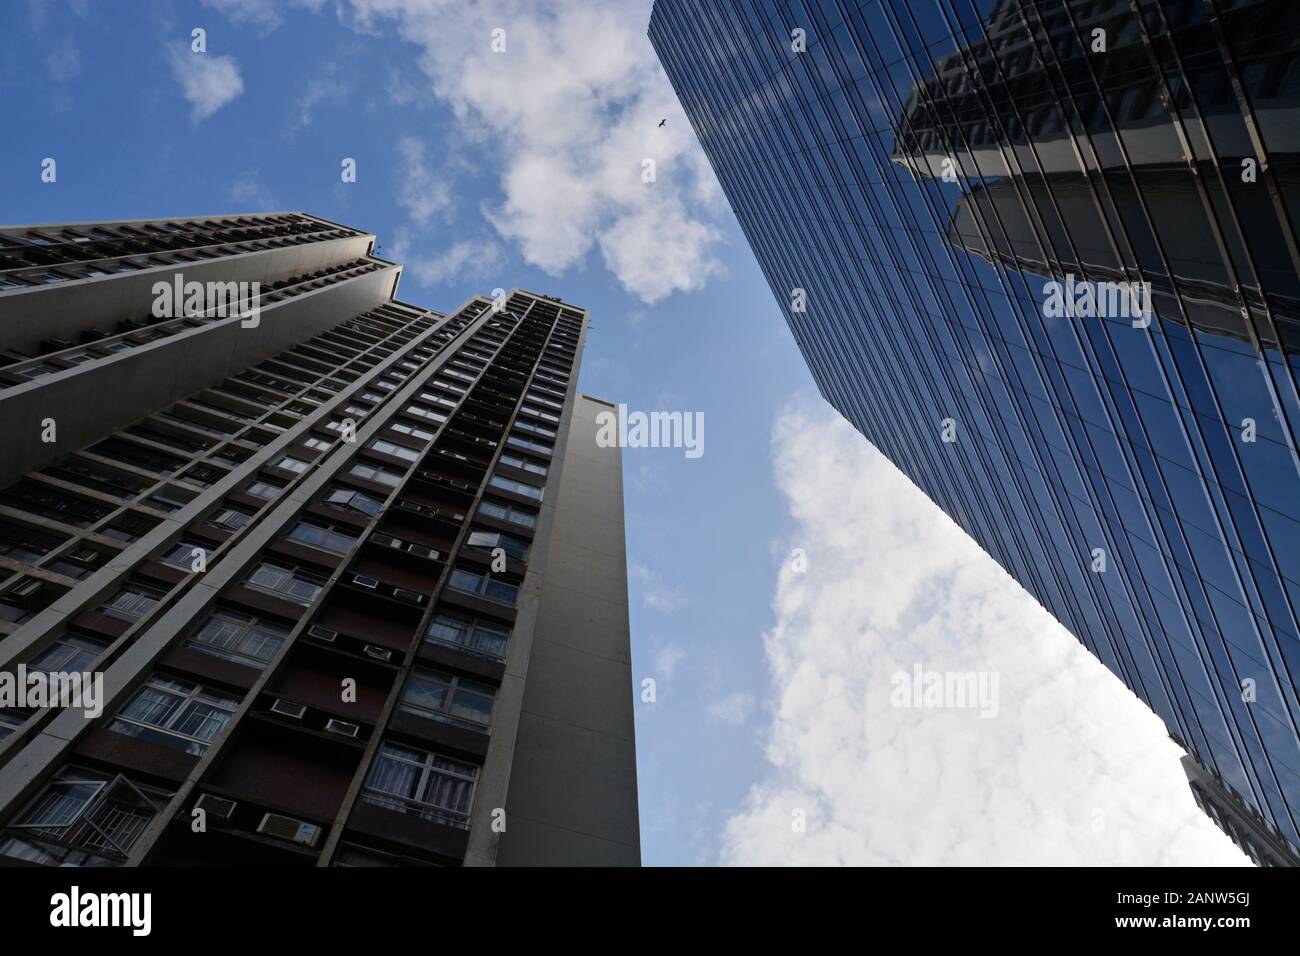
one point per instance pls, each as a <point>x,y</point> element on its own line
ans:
<point>480,169</point>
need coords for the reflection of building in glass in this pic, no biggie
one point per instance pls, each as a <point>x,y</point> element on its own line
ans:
<point>1249,831</point>
<point>994,220</point>
<point>1068,197</point>
<point>919,171</point>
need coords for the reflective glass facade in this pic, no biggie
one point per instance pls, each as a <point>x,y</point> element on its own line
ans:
<point>913,179</point>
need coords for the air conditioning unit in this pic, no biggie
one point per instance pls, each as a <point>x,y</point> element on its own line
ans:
<point>361,581</point>
<point>218,808</point>
<point>341,727</point>
<point>27,593</point>
<point>287,708</point>
<point>420,551</point>
<point>386,540</point>
<point>409,596</point>
<point>84,555</point>
<point>287,828</point>
<point>378,653</point>
<point>322,633</point>
<point>29,588</point>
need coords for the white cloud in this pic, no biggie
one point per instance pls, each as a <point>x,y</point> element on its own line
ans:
<point>463,259</point>
<point>265,15</point>
<point>208,82</point>
<point>64,62</point>
<point>252,194</point>
<point>733,708</point>
<point>320,89</point>
<point>570,110</point>
<point>636,250</point>
<point>654,592</point>
<point>1073,770</point>
<point>423,195</point>
<point>667,658</point>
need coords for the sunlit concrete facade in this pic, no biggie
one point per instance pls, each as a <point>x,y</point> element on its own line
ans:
<point>311,558</point>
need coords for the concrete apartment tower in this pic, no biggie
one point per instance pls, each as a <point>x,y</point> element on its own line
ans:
<point>351,571</point>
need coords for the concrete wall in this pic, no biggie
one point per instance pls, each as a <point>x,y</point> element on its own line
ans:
<point>66,309</point>
<point>90,401</point>
<point>573,797</point>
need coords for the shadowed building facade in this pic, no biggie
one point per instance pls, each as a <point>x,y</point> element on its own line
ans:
<point>912,176</point>
<point>343,563</point>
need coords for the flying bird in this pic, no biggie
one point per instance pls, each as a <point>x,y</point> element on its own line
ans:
<point>662,121</point>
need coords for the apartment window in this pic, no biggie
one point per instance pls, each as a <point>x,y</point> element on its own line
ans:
<point>51,502</point>
<point>167,500</point>
<point>239,638</point>
<point>540,400</point>
<point>485,584</point>
<point>129,526</point>
<point>532,428</point>
<point>318,444</point>
<point>421,411</point>
<point>494,539</point>
<point>520,441</point>
<point>204,475</point>
<point>10,721</point>
<point>131,603</point>
<point>390,448</point>
<point>175,714</point>
<point>450,699</point>
<point>526,464</point>
<point>375,473</point>
<point>325,536</point>
<point>136,454</point>
<point>515,515</point>
<point>295,465</point>
<point>518,487</point>
<point>476,637</point>
<point>544,416</point>
<point>69,653</point>
<point>438,399</point>
<point>266,490</point>
<point>182,554</point>
<point>354,501</point>
<point>91,475</point>
<point>422,784</point>
<point>230,518</point>
<point>26,544</point>
<point>286,581</point>
<point>404,429</point>
<point>82,818</point>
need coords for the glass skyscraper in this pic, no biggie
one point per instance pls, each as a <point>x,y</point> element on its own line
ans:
<point>926,183</point>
